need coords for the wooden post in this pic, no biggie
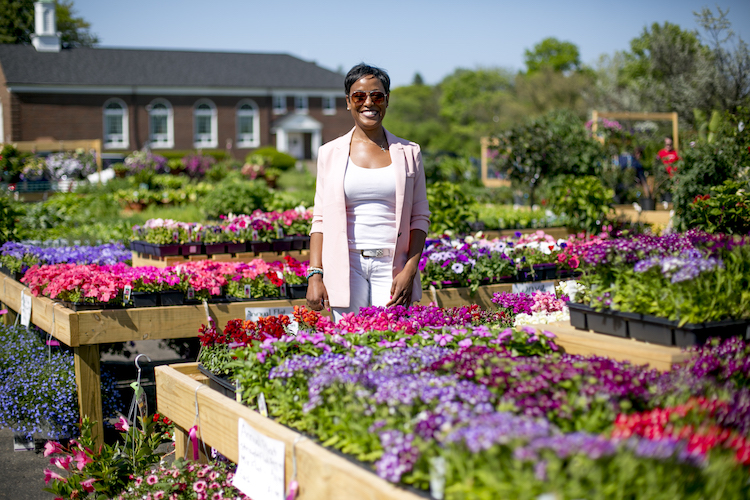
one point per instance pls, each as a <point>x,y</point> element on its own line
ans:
<point>87,367</point>
<point>675,134</point>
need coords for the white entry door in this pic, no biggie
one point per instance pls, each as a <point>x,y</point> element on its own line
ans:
<point>296,145</point>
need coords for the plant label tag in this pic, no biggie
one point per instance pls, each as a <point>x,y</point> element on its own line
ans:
<point>260,468</point>
<point>256,237</point>
<point>193,249</point>
<point>437,477</point>
<point>248,291</point>
<point>237,391</point>
<point>126,293</point>
<point>279,233</point>
<point>208,313</point>
<point>262,407</point>
<point>253,313</point>
<point>190,293</point>
<point>534,286</point>
<point>25,309</point>
<point>282,290</point>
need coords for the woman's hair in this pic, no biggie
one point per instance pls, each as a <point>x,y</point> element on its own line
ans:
<point>362,70</point>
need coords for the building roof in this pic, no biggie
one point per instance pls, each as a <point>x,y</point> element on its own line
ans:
<point>23,65</point>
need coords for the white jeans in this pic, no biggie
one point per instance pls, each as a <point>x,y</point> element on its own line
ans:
<point>370,281</point>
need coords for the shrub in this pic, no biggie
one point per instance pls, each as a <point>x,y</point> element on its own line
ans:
<point>236,195</point>
<point>277,159</point>
<point>706,165</point>
<point>554,144</point>
<point>725,210</point>
<point>9,215</point>
<point>584,201</point>
<point>452,209</point>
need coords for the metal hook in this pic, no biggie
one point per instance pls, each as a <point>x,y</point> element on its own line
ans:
<point>139,357</point>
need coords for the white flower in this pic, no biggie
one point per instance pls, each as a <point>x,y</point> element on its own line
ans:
<point>637,207</point>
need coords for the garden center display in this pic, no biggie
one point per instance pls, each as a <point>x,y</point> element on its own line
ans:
<point>500,409</point>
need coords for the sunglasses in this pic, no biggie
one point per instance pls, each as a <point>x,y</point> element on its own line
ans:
<point>360,96</point>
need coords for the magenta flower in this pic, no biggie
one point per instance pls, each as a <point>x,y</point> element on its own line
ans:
<point>88,485</point>
<point>122,425</point>
<point>50,476</point>
<point>52,447</point>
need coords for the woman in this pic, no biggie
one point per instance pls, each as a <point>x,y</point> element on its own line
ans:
<point>371,216</point>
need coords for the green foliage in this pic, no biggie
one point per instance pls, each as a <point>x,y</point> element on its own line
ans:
<point>509,217</point>
<point>725,210</point>
<point>583,200</point>
<point>555,144</point>
<point>277,159</point>
<point>236,195</point>
<point>17,24</point>
<point>414,113</point>
<point>474,103</point>
<point>287,200</point>
<point>75,31</point>
<point>706,165</point>
<point>11,162</point>
<point>449,168</point>
<point>221,169</point>
<point>9,215</point>
<point>171,154</point>
<point>108,470</point>
<point>553,54</point>
<point>451,208</point>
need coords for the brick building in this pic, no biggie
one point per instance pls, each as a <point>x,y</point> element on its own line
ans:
<point>167,99</point>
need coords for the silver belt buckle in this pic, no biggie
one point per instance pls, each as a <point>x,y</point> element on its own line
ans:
<point>373,253</point>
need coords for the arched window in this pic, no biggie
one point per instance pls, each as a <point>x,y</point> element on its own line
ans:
<point>206,134</point>
<point>116,124</point>
<point>160,123</point>
<point>248,125</point>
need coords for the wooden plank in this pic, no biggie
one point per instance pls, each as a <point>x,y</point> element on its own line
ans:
<point>587,343</point>
<point>457,297</point>
<point>320,472</point>
<point>47,314</point>
<point>87,369</point>
<point>170,322</point>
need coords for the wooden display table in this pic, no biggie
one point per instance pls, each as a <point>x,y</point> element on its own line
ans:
<point>85,330</point>
<point>321,473</point>
<point>143,259</point>
<point>457,297</point>
<point>588,343</point>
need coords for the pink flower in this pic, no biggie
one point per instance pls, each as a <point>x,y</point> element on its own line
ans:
<point>49,476</point>
<point>61,462</point>
<point>465,343</point>
<point>82,459</point>
<point>199,486</point>
<point>158,495</point>
<point>152,479</point>
<point>52,447</point>
<point>122,425</point>
<point>88,485</point>
<point>442,339</point>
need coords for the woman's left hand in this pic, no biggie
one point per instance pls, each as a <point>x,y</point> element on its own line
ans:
<point>401,288</point>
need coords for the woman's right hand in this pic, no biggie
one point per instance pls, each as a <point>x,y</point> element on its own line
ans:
<point>317,295</point>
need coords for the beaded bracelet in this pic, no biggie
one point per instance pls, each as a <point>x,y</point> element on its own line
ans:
<point>312,271</point>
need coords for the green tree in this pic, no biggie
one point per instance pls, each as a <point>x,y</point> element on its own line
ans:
<point>477,103</point>
<point>670,70</point>
<point>547,90</point>
<point>414,113</point>
<point>17,24</point>
<point>552,145</point>
<point>553,54</point>
<point>731,59</point>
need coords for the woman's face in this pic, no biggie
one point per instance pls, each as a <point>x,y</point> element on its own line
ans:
<point>367,115</point>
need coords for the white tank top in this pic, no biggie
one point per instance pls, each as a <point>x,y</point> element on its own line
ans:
<point>370,206</point>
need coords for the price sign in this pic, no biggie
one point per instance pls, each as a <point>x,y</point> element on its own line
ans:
<point>25,309</point>
<point>534,286</point>
<point>260,469</point>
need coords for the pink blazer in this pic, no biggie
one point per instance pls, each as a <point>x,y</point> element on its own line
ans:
<point>329,212</point>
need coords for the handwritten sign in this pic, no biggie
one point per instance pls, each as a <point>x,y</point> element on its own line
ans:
<point>25,310</point>
<point>534,286</point>
<point>260,469</point>
<point>253,313</point>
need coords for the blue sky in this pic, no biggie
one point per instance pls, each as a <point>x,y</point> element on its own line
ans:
<point>404,37</point>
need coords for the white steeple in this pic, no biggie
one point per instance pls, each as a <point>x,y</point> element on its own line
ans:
<point>45,37</point>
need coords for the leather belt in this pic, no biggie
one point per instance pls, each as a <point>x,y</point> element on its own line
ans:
<point>374,252</point>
